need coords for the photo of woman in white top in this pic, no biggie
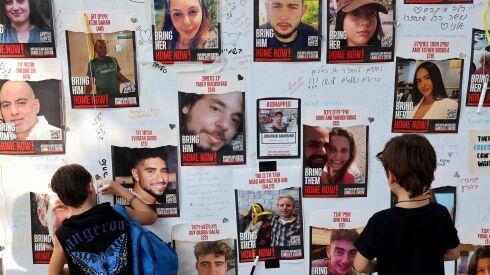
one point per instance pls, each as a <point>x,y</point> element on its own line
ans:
<point>429,95</point>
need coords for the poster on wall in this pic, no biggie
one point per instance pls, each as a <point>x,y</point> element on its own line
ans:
<point>278,123</point>
<point>269,214</point>
<point>47,214</point>
<point>473,259</point>
<point>479,69</point>
<point>335,152</point>
<point>26,29</point>
<point>186,31</point>
<point>151,174</point>
<point>427,96</point>
<point>32,120</point>
<point>102,62</point>
<point>352,42</point>
<point>287,31</point>
<point>205,248</point>
<point>332,236</point>
<point>212,120</point>
<point>438,1</point>
<point>479,153</point>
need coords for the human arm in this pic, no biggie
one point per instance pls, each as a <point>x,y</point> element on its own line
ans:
<point>122,78</point>
<point>363,264</point>
<point>88,88</point>
<point>57,262</point>
<point>137,209</point>
<point>451,254</point>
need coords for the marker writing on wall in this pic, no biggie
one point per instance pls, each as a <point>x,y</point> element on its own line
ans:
<point>255,264</point>
<point>482,96</point>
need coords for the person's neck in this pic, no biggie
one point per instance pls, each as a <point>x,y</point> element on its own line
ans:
<point>142,194</point>
<point>87,205</point>
<point>288,219</point>
<point>184,43</point>
<point>428,100</point>
<point>22,27</point>
<point>289,39</point>
<point>404,200</point>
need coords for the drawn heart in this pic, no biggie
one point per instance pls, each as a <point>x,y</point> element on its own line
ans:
<point>417,10</point>
<point>134,20</point>
<point>145,35</point>
<point>172,126</point>
<point>371,119</point>
<point>444,25</point>
<point>240,77</point>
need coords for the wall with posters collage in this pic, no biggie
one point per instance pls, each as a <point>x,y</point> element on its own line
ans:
<point>240,118</point>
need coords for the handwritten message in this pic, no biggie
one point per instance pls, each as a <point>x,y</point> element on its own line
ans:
<point>447,18</point>
<point>326,76</point>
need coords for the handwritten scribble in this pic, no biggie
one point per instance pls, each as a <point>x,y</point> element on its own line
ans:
<point>230,37</point>
<point>144,35</point>
<point>4,71</point>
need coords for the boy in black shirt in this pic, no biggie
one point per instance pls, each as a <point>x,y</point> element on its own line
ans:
<point>95,239</point>
<point>416,236</point>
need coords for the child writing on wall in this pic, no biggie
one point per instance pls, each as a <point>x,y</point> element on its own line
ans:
<point>95,239</point>
<point>415,236</point>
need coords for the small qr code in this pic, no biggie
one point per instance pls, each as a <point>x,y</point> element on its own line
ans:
<point>451,113</point>
<point>312,41</point>
<point>171,198</point>
<point>45,37</point>
<point>212,42</point>
<point>55,134</point>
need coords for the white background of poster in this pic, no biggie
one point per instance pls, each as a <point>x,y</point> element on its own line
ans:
<point>206,192</point>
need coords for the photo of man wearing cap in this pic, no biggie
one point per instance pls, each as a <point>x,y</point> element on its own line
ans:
<point>361,23</point>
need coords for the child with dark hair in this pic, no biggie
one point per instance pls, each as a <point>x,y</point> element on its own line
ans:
<point>480,261</point>
<point>95,239</point>
<point>415,236</point>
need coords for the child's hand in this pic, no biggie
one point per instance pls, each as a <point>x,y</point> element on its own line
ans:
<point>109,187</point>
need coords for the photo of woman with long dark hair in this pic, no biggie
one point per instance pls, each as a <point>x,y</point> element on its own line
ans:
<point>22,22</point>
<point>429,95</point>
<point>341,153</point>
<point>480,261</point>
<point>361,21</point>
<point>191,24</point>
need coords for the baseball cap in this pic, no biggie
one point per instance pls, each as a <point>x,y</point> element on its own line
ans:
<point>350,5</point>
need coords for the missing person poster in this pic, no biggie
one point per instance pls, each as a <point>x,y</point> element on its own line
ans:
<point>287,30</point>
<point>150,174</point>
<point>26,29</point>
<point>212,120</point>
<point>474,250</point>
<point>269,214</point>
<point>42,245</point>
<point>332,236</point>
<point>102,62</point>
<point>335,144</point>
<point>438,1</point>
<point>371,40</point>
<point>427,96</point>
<point>473,259</point>
<point>186,31</point>
<point>47,214</point>
<point>479,70</point>
<point>35,87</point>
<point>205,248</point>
<point>479,153</point>
<point>278,132</point>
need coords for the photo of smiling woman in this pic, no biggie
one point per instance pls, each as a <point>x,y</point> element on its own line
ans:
<point>25,21</point>
<point>429,95</point>
<point>193,24</point>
